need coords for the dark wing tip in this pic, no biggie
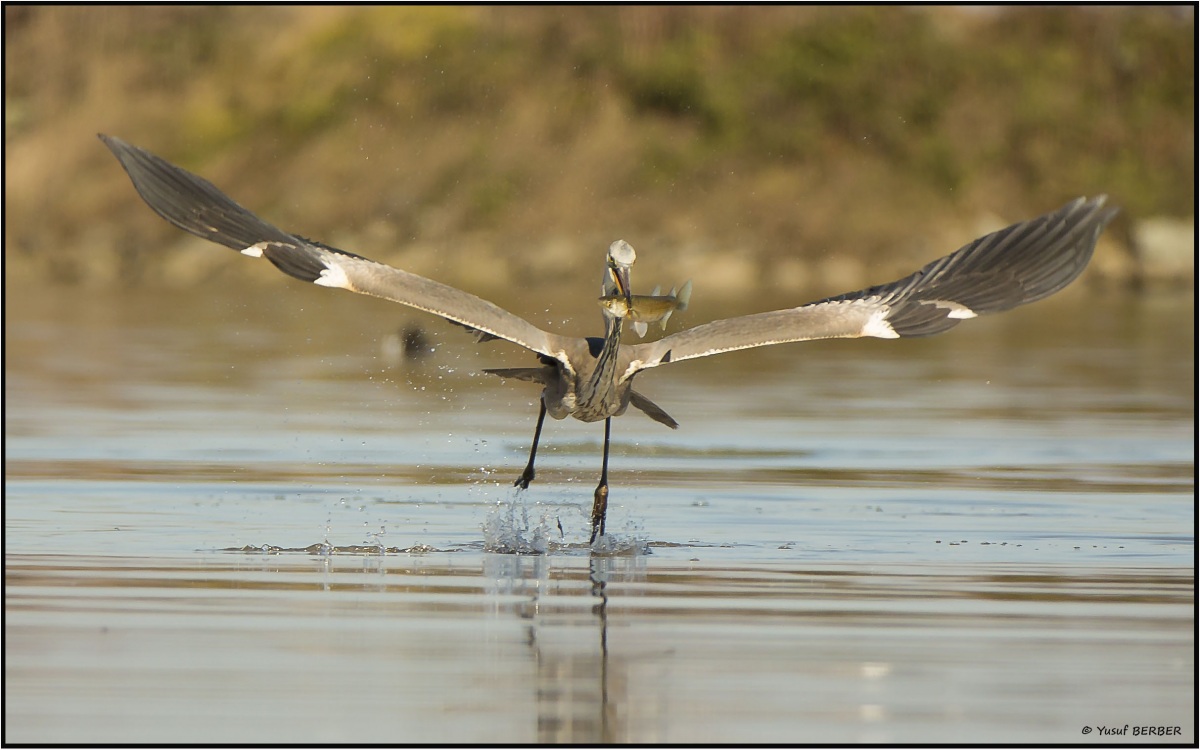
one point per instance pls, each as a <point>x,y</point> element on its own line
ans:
<point>190,202</point>
<point>1043,255</point>
<point>1022,263</point>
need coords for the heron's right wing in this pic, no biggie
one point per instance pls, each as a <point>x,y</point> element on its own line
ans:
<point>197,206</point>
<point>1022,263</point>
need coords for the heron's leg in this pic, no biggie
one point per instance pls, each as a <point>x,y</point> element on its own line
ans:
<point>527,475</point>
<point>600,504</point>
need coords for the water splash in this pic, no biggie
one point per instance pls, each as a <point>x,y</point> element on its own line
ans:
<point>375,539</point>
<point>510,528</point>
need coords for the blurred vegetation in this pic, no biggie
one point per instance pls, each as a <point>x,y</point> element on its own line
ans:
<point>441,137</point>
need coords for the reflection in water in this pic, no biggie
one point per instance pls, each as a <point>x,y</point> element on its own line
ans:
<point>476,647</point>
<point>575,675</point>
<point>598,569</point>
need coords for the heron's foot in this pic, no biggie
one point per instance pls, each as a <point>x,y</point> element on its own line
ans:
<point>599,511</point>
<point>525,478</point>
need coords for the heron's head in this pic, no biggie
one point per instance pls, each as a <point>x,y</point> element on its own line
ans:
<point>616,276</point>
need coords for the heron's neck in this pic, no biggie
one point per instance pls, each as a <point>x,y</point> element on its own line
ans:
<point>602,382</point>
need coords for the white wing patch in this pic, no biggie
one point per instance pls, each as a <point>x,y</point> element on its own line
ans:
<point>634,368</point>
<point>961,312</point>
<point>334,276</point>
<point>878,326</point>
<point>561,356</point>
<point>255,250</point>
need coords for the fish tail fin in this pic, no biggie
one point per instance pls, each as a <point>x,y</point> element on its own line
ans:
<point>684,296</point>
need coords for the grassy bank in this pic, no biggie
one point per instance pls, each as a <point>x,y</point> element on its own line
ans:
<point>818,145</point>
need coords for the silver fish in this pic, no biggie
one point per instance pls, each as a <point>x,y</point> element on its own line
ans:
<point>644,309</point>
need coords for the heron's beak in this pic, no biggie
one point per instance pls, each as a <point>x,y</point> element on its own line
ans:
<point>620,277</point>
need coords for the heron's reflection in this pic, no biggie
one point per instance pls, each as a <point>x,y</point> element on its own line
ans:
<point>581,687</point>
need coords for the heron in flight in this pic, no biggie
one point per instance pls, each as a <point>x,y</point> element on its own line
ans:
<point>591,378</point>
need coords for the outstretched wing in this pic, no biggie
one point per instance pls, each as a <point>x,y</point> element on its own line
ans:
<point>1014,266</point>
<point>195,205</point>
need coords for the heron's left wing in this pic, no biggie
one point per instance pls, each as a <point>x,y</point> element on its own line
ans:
<point>197,206</point>
<point>1022,263</point>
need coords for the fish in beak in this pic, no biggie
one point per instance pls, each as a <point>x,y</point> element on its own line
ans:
<point>644,309</point>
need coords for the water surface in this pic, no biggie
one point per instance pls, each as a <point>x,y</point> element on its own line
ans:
<point>228,519</point>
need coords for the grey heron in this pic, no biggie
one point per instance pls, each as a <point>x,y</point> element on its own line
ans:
<point>591,379</point>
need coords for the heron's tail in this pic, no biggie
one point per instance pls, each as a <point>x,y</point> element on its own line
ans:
<point>651,409</point>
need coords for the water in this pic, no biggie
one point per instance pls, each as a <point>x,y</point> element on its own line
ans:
<point>228,520</point>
